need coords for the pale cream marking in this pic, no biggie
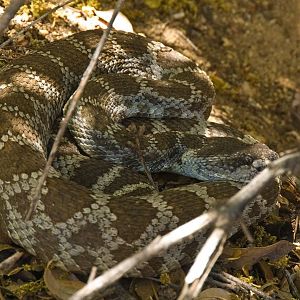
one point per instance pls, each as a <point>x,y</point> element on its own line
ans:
<point>129,188</point>
<point>107,179</point>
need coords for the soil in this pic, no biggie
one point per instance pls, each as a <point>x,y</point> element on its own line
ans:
<point>251,50</point>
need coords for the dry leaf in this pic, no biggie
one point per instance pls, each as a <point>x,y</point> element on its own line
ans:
<point>177,277</point>
<point>145,289</point>
<point>216,294</point>
<point>60,287</point>
<point>22,290</point>
<point>284,295</point>
<point>247,257</point>
<point>267,271</point>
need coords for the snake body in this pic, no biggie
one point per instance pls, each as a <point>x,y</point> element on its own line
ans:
<point>94,210</point>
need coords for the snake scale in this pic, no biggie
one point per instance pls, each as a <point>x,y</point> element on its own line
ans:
<point>146,101</point>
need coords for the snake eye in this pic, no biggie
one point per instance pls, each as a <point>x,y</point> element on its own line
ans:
<point>248,160</point>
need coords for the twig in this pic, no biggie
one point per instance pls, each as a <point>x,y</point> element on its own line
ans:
<point>9,13</point>
<point>156,246</point>
<point>295,231</point>
<point>93,274</point>
<point>73,103</point>
<point>240,283</point>
<point>293,287</point>
<point>229,213</point>
<point>204,262</point>
<point>143,163</point>
<point>34,22</point>
<point>139,131</point>
<point>223,218</point>
<point>226,286</point>
<point>246,232</point>
<point>174,286</point>
<point>9,262</point>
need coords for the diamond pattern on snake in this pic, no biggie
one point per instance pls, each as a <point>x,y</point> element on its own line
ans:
<point>145,108</point>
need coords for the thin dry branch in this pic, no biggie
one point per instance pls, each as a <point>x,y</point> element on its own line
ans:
<point>10,262</point>
<point>93,274</point>
<point>227,215</point>
<point>294,289</point>
<point>9,13</point>
<point>226,284</point>
<point>34,22</point>
<point>157,246</point>
<point>71,108</point>
<point>223,218</point>
<point>246,232</point>
<point>139,132</point>
<point>237,284</point>
<point>215,242</point>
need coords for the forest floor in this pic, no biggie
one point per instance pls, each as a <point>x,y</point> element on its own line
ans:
<point>251,51</point>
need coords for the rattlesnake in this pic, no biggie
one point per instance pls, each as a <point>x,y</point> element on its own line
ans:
<point>95,212</point>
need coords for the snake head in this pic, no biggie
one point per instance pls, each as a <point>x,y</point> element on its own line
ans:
<point>224,158</point>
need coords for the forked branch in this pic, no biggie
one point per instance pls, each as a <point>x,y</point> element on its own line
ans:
<point>222,218</point>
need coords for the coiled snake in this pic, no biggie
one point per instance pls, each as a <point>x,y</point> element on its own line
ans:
<point>96,212</point>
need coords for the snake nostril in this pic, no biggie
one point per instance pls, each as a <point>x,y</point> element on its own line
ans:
<point>260,168</point>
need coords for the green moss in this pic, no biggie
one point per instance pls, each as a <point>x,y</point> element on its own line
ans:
<point>223,5</point>
<point>222,87</point>
<point>261,237</point>
<point>22,290</point>
<point>94,3</point>
<point>165,278</point>
<point>35,43</point>
<point>38,7</point>
<point>168,6</point>
<point>3,62</point>
<point>164,6</point>
<point>153,3</point>
<point>282,262</point>
<point>220,84</point>
<point>249,279</point>
<point>181,5</point>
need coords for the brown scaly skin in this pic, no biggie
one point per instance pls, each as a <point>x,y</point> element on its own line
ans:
<point>92,215</point>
